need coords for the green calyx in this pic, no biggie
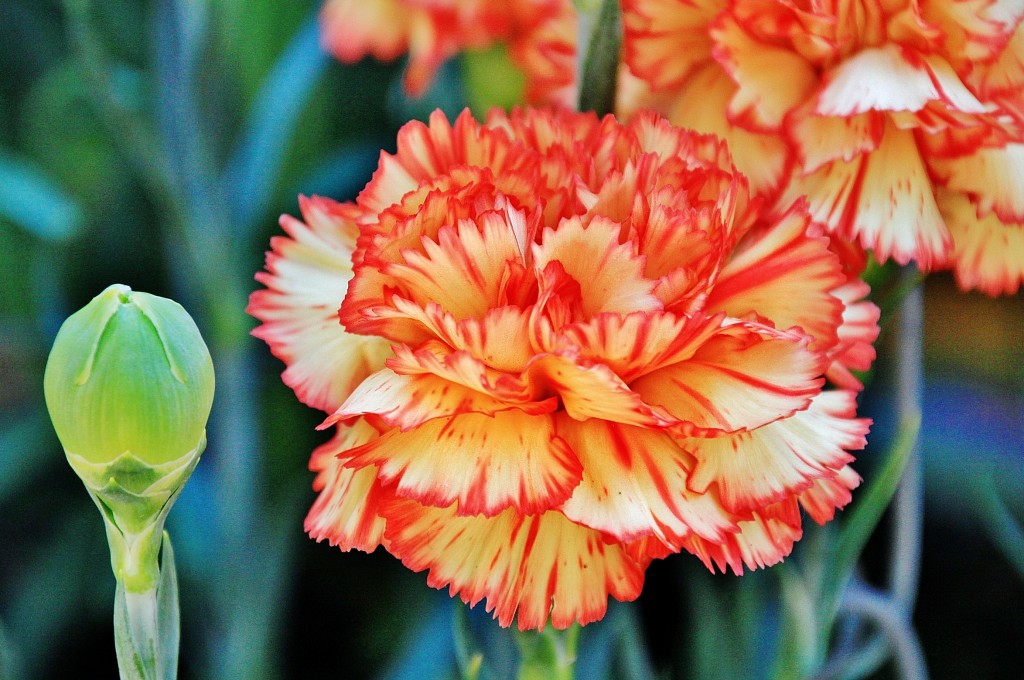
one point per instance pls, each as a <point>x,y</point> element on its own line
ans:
<point>129,373</point>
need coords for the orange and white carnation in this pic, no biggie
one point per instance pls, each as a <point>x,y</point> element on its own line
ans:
<point>433,31</point>
<point>901,122</point>
<point>554,348</point>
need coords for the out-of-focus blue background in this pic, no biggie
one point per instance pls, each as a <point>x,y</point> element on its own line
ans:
<point>154,143</point>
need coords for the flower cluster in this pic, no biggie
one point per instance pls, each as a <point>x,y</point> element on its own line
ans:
<point>432,31</point>
<point>901,122</point>
<point>567,346</point>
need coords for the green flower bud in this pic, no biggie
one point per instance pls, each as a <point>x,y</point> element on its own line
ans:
<point>129,372</point>
<point>129,386</point>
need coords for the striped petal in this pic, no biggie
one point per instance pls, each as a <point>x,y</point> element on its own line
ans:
<point>593,391</point>
<point>665,39</point>
<point>819,140</point>
<point>636,344</point>
<point>536,566</point>
<point>785,276</point>
<point>829,494</point>
<point>883,198</point>
<point>464,271</point>
<point>771,81</point>
<point>426,152</point>
<point>988,254</point>
<point>408,401</point>
<point>762,541</point>
<point>740,379</point>
<point>994,178</point>
<point>701,105</point>
<point>766,465</point>
<point>635,485</point>
<point>855,350</point>
<point>892,78</point>
<point>610,274</point>
<point>484,463</point>
<point>346,512</point>
<point>306,279</point>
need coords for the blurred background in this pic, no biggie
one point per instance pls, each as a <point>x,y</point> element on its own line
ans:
<point>154,143</point>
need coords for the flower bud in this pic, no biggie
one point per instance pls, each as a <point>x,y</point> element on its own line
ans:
<point>129,386</point>
<point>129,372</point>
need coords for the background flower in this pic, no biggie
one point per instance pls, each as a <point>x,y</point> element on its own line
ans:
<point>901,123</point>
<point>602,354</point>
<point>432,32</point>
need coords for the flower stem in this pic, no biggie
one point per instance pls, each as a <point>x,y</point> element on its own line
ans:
<point>548,655</point>
<point>908,516</point>
<point>598,44</point>
<point>147,622</point>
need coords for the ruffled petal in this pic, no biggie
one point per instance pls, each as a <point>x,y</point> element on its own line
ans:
<point>988,254</point>
<point>770,81</point>
<point>665,39</point>
<point>307,275</point>
<point>464,270</point>
<point>757,468</point>
<point>762,541</point>
<point>740,379</point>
<point>993,178</point>
<point>635,344</point>
<point>484,463</point>
<point>855,350</point>
<point>701,105</point>
<point>346,512</point>
<point>635,485</point>
<point>610,274</point>
<point>533,566</point>
<point>787,277</point>
<point>407,401</point>
<point>829,494</point>
<point>883,198</point>
<point>892,78</point>
<point>426,152</point>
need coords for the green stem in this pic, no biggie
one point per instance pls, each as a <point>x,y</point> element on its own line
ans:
<point>146,620</point>
<point>549,654</point>
<point>598,44</point>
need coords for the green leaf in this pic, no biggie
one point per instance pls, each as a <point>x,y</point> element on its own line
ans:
<point>255,164</point>
<point>168,613</point>
<point>549,654</point>
<point>34,202</point>
<point>1004,529</point>
<point>600,44</point>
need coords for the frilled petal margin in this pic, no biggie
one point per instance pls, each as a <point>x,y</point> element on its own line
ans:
<point>307,274</point>
<point>485,463</point>
<point>346,511</point>
<point>766,465</point>
<point>988,254</point>
<point>536,565</point>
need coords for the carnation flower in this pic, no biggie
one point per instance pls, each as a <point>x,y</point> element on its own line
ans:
<point>900,122</point>
<point>600,352</point>
<point>432,31</point>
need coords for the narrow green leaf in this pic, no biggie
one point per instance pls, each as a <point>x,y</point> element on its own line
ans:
<point>130,661</point>
<point>1004,529</point>
<point>34,202</point>
<point>256,161</point>
<point>600,42</point>
<point>168,613</point>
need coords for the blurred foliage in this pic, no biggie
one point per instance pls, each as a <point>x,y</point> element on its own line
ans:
<point>154,144</point>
